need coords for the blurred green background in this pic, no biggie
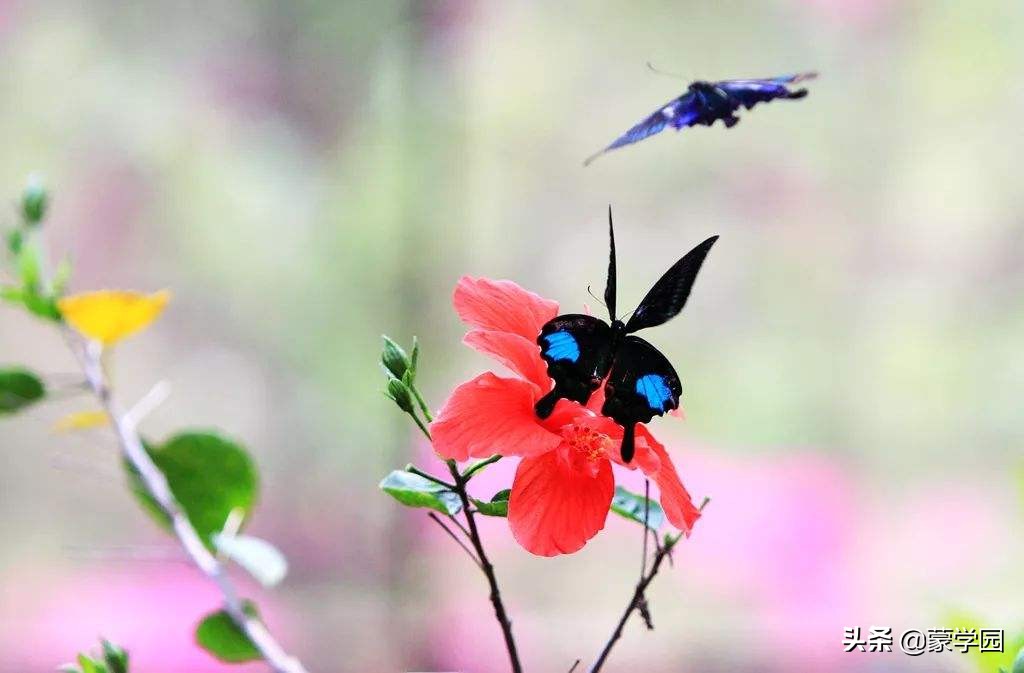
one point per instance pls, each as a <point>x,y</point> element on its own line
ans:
<point>306,176</point>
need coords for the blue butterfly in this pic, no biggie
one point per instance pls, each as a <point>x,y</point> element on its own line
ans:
<point>705,103</point>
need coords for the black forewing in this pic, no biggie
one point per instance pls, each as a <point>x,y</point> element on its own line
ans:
<point>576,348</point>
<point>642,384</point>
<point>609,288</point>
<point>668,296</point>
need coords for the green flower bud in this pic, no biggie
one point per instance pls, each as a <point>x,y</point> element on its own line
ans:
<point>399,392</point>
<point>394,359</point>
<point>34,201</point>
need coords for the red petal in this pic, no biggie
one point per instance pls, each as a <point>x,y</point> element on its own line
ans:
<point>489,415</point>
<point>679,508</point>
<point>554,509</point>
<point>515,352</point>
<point>502,306</point>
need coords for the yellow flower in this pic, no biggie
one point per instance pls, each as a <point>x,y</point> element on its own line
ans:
<point>111,315</point>
<point>81,420</point>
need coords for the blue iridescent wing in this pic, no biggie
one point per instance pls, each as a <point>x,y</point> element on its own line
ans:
<point>576,348</point>
<point>678,113</point>
<point>642,384</point>
<point>750,92</point>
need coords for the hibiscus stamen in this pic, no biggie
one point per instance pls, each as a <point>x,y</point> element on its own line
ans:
<point>586,441</point>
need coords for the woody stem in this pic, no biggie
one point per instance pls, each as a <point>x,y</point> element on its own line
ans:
<point>487,567</point>
<point>634,604</point>
<point>473,533</point>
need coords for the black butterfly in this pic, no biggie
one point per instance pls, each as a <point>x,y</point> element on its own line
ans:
<point>582,350</point>
<point>706,102</point>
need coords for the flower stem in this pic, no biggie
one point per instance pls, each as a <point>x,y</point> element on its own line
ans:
<point>423,405</point>
<point>488,568</point>
<point>90,359</point>
<point>421,424</point>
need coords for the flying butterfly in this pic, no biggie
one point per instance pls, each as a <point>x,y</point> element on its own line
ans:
<point>705,103</point>
<point>581,350</point>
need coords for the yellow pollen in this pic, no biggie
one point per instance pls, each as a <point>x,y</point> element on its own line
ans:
<point>586,441</point>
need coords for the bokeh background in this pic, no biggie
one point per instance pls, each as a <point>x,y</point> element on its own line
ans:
<point>308,175</point>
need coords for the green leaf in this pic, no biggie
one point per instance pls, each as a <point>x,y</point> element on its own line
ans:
<point>62,276</point>
<point>30,267</point>
<point>498,506</point>
<point>1018,663</point>
<point>220,636</point>
<point>210,476</point>
<point>41,305</point>
<point>260,558</point>
<point>89,665</point>
<point>630,505</point>
<point>19,388</point>
<point>12,294</point>
<point>412,490</point>
<point>115,657</point>
<point>15,241</point>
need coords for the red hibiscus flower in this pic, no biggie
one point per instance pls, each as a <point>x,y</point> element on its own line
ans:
<point>564,485</point>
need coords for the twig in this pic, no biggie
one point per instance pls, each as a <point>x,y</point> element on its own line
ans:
<point>455,537</point>
<point>647,514</point>
<point>639,599</point>
<point>637,602</point>
<point>429,477</point>
<point>488,568</point>
<point>156,396</point>
<point>89,357</point>
<point>476,467</point>
<point>473,533</point>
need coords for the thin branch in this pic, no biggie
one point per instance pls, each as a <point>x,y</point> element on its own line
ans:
<point>455,537</point>
<point>89,357</point>
<point>488,568</point>
<point>474,536</point>
<point>429,477</point>
<point>638,602</point>
<point>476,467</point>
<point>461,527</point>
<point>647,514</point>
<point>156,396</point>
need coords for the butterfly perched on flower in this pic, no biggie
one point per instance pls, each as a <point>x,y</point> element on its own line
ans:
<point>581,350</point>
<point>705,103</point>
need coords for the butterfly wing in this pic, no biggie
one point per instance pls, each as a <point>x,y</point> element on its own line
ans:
<point>680,112</point>
<point>642,384</point>
<point>750,92</point>
<point>576,348</point>
<point>668,296</point>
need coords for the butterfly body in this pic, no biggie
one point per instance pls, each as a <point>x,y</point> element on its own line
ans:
<point>704,103</point>
<point>582,351</point>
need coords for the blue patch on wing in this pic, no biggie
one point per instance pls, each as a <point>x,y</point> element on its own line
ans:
<point>562,346</point>
<point>655,390</point>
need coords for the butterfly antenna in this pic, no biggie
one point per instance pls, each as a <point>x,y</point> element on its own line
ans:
<point>598,299</point>
<point>610,285</point>
<point>658,71</point>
